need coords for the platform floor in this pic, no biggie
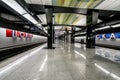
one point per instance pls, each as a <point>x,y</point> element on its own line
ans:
<point>65,62</point>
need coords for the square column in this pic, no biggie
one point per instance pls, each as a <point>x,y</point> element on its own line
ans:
<point>49,12</point>
<point>72,35</point>
<point>90,34</point>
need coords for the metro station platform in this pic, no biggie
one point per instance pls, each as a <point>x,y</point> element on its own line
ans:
<point>65,62</point>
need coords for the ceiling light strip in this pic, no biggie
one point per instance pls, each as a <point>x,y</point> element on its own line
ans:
<point>106,27</point>
<point>15,6</point>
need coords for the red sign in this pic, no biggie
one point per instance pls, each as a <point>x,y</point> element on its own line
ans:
<point>14,33</point>
<point>8,33</point>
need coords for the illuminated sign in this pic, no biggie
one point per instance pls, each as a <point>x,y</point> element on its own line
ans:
<point>14,33</point>
<point>99,36</point>
<point>108,36</point>
<point>112,36</point>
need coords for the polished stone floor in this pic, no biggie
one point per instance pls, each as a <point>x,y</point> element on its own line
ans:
<point>65,62</point>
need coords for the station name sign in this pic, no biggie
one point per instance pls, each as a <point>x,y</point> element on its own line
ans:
<point>19,34</point>
<point>114,36</point>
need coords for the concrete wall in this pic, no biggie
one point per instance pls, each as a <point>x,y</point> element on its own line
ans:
<point>10,41</point>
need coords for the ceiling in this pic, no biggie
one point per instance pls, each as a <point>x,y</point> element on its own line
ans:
<point>75,19</point>
<point>72,18</point>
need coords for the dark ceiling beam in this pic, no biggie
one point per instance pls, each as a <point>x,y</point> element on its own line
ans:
<point>17,21</point>
<point>78,26</point>
<point>39,8</point>
<point>78,35</point>
<point>6,11</point>
<point>58,9</point>
<point>110,30</point>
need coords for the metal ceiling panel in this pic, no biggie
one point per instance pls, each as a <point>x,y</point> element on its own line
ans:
<point>70,18</point>
<point>81,21</point>
<point>77,3</point>
<point>44,2</point>
<point>43,18</point>
<point>48,2</point>
<point>35,1</point>
<point>109,5</point>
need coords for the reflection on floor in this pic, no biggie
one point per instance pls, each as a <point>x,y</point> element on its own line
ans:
<point>107,53</point>
<point>65,62</point>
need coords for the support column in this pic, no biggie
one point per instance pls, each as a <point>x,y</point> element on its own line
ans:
<point>72,35</point>
<point>90,34</point>
<point>53,29</point>
<point>66,36</point>
<point>53,35</point>
<point>49,12</point>
<point>50,38</point>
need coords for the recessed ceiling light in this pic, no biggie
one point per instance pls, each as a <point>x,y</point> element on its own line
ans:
<point>111,15</point>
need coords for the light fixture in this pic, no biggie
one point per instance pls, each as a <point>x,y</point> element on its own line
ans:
<point>114,26</point>
<point>83,33</point>
<point>102,28</point>
<point>14,5</point>
<point>30,18</point>
<point>45,30</point>
<point>39,25</point>
<point>111,15</point>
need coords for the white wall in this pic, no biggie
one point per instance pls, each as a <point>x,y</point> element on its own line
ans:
<point>9,41</point>
<point>109,42</point>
